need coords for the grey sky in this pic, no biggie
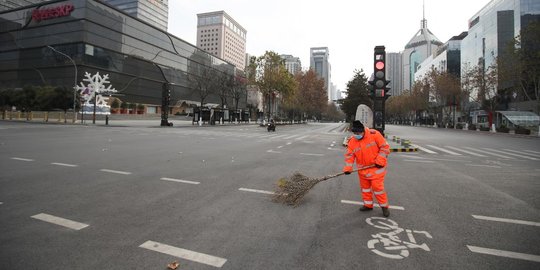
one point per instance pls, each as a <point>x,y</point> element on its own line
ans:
<point>350,29</point>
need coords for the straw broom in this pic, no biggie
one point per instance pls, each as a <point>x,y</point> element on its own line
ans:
<point>291,191</point>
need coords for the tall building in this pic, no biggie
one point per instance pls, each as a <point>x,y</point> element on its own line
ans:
<point>219,34</point>
<point>420,47</point>
<point>445,59</point>
<point>491,30</point>
<point>11,4</point>
<point>319,62</point>
<point>154,12</point>
<point>293,64</point>
<point>394,73</point>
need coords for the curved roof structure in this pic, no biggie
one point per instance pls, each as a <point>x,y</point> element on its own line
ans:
<point>423,36</point>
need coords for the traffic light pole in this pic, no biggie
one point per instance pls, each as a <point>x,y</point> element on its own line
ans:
<point>378,87</point>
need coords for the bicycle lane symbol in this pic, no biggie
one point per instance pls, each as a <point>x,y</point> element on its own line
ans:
<point>389,244</point>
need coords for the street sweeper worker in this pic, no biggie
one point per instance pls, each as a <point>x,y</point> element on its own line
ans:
<point>368,147</point>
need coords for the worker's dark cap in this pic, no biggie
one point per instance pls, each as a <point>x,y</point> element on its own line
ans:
<point>357,126</point>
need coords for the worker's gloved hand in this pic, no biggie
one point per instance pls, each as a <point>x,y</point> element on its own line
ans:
<point>379,166</point>
<point>347,172</point>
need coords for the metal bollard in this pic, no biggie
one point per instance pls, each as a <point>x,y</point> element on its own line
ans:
<point>106,119</point>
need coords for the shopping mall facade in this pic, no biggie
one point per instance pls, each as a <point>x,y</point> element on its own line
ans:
<point>57,42</point>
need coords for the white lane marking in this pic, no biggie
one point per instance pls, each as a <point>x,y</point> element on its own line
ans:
<point>511,154</point>
<point>465,151</point>
<point>272,151</point>
<point>444,150</point>
<point>64,164</point>
<point>60,221</point>
<point>184,254</point>
<point>421,161</point>
<point>113,171</point>
<point>423,149</point>
<point>280,146</point>
<point>408,155</point>
<point>516,221</point>
<point>22,159</point>
<point>489,153</point>
<point>257,191</point>
<point>361,203</point>
<point>179,181</point>
<point>504,253</point>
<point>531,151</point>
<point>521,152</point>
<point>303,137</point>
<point>289,143</point>
<point>1,203</point>
<point>290,137</point>
<point>310,154</point>
<point>480,165</point>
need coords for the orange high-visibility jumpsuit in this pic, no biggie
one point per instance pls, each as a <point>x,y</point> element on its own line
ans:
<point>372,149</point>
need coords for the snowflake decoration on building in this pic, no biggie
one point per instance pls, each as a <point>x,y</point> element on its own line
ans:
<point>95,89</point>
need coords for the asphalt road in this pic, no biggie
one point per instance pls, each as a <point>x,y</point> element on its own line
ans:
<point>139,197</point>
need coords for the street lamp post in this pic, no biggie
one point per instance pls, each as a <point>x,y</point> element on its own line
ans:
<point>74,89</point>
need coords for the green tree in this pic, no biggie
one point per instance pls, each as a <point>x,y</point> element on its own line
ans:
<point>357,93</point>
<point>311,94</point>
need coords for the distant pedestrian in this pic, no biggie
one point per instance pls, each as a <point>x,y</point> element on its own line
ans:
<point>368,147</point>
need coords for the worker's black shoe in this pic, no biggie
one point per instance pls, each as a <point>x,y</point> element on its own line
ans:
<point>385,211</point>
<point>365,208</point>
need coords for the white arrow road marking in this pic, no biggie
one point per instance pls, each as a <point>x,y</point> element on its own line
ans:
<point>113,171</point>
<point>361,203</point>
<point>179,181</point>
<point>257,191</point>
<point>64,164</point>
<point>515,221</point>
<point>503,253</point>
<point>60,221</point>
<point>184,254</point>
<point>22,159</point>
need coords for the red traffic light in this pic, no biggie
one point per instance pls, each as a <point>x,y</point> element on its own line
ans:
<point>379,65</point>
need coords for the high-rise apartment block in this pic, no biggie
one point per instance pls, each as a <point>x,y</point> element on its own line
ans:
<point>292,64</point>
<point>219,34</point>
<point>319,62</point>
<point>394,73</point>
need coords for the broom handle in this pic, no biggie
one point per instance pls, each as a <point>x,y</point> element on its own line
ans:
<point>342,173</point>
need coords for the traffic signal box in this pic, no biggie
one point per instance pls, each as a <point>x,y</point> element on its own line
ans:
<point>379,87</point>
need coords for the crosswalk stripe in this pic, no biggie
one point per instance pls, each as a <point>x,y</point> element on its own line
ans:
<point>424,149</point>
<point>511,154</point>
<point>60,221</point>
<point>521,152</point>
<point>444,150</point>
<point>489,153</point>
<point>465,151</point>
<point>531,151</point>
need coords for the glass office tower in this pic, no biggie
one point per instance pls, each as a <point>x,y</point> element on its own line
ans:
<point>138,57</point>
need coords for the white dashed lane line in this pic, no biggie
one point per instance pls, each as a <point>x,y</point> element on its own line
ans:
<point>60,221</point>
<point>184,254</point>
<point>310,154</point>
<point>504,253</point>
<point>64,164</point>
<point>113,171</point>
<point>361,203</point>
<point>507,220</point>
<point>257,191</point>
<point>179,181</point>
<point>22,159</point>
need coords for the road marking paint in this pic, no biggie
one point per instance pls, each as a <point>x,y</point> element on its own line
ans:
<point>521,152</point>
<point>511,154</point>
<point>503,253</point>
<point>60,221</point>
<point>408,155</point>
<point>22,159</point>
<point>257,191</point>
<point>113,171</point>
<point>423,149</point>
<point>480,165</point>
<point>531,151</point>
<point>421,161</point>
<point>489,153</point>
<point>1,203</point>
<point>303,137</point>
<point>289,143</point>
<point>184,254</point>
<point>361,203</point>
<point>310,154</point>
<point>280,146</point>
<point>444,150</point>
<point>516,221</point>
<point>465,151</point>
<point>290,137</point>
<point>64,164</point>
<point>272,151</point>
<point>179,181</point>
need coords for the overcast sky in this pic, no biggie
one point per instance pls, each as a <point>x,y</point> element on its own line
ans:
<point>349,28</point>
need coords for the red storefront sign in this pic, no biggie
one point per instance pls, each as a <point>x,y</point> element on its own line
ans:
<point>51,13</point>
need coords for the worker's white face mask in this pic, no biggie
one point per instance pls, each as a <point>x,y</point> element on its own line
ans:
<point>359,137</point>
